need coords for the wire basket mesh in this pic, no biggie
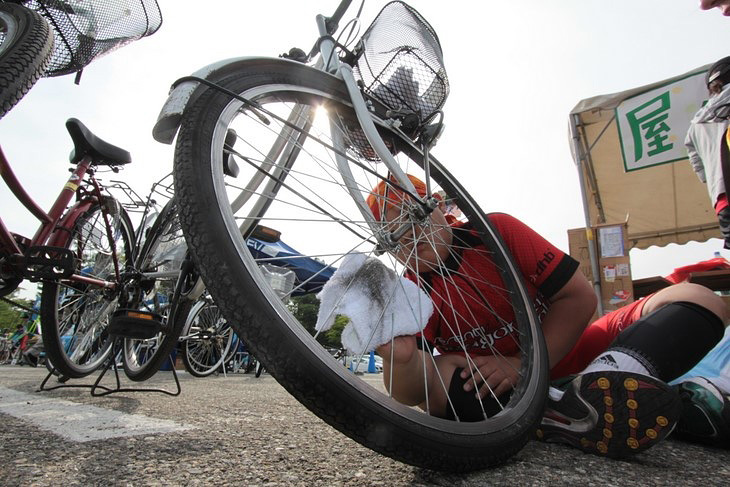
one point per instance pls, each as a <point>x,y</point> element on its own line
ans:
<point>400,62</point>
<point>87,29</point>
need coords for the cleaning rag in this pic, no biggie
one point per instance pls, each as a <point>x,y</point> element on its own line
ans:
<point>378,303</point>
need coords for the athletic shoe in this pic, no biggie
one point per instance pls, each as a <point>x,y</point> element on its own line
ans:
<point>613,413</point>
<point>705,413</point>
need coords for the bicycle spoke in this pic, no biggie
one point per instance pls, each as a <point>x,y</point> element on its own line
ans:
<point>308,175</point>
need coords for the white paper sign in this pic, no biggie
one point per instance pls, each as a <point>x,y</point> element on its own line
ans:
<point>612,241</point>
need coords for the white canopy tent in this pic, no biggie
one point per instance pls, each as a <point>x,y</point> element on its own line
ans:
<point>633,166</point>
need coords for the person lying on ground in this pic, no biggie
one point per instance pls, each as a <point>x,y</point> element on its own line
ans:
<point>613,398</point>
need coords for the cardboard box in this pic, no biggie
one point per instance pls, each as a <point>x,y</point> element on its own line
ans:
<point>614,264</point>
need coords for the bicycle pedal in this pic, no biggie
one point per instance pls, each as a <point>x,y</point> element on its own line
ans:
<point>46,262</point>
<point>136,324</point>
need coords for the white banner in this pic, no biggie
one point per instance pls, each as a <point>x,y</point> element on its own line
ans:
<point>652,125</point>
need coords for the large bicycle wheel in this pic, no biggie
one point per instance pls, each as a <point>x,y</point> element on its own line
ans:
<point>74,315</point>
<point>26,44</point>
<point>161,258</point>
<point>208,340</point>
<point>289,181</point>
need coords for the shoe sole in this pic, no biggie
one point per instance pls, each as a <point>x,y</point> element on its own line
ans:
<point>620,414</point>
<point>699,423</point>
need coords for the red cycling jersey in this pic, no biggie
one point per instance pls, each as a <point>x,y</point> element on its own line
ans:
<point>481,318</point>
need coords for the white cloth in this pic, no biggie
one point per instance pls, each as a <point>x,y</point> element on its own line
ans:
<point>378,303</point>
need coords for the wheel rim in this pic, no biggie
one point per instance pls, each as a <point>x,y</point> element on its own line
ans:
<point>311,201</point>
<point>208,342</point>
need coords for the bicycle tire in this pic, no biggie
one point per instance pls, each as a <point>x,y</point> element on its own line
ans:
<point>208,340</point>
<point>228,265</point>
<point>160,252</point>
<point>26,45</point>
<point>75,316</point>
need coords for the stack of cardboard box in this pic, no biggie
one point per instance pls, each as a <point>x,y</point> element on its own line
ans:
<point>614,266</point>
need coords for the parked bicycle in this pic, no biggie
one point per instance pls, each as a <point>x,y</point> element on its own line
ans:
<point>159,288</point>
<point>88,274</point>
<point>297,144</point>
<point>56,37</point>
<point>79,252</point>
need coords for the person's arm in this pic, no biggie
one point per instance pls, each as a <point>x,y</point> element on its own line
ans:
<point>410,372</point>
<point>403,366</point>
<point>694,158</point>
<point>571,309</point>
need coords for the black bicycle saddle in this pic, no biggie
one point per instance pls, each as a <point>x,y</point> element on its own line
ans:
<point>88,144</point>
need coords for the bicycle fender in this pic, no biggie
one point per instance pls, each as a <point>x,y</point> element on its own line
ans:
<point>60,236</point>
<point>182,93</point>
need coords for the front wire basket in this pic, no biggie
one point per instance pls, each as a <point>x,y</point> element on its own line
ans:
<point>87,29</point>
<point>400,62</point>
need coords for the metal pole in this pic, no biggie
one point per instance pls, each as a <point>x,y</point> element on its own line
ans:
<point>579,160</point>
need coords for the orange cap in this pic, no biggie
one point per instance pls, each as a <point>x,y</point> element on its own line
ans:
<point>384,195</point>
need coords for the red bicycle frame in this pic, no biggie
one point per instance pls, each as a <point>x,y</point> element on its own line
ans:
<point>56,225</point>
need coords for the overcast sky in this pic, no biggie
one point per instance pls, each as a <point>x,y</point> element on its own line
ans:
<point>516,70</point>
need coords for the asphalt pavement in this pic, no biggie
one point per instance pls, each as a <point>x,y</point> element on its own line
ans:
<point>240,430</point>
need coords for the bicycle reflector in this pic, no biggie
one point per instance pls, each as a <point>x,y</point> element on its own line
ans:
<point>136,324</point>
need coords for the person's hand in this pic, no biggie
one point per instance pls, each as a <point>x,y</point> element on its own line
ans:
<point>500,373</point>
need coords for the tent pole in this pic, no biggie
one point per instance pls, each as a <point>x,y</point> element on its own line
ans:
<point>579,161</point>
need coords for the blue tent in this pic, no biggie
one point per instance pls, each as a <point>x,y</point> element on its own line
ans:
<point>311,274</point>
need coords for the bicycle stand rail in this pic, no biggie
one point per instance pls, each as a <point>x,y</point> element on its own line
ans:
<point>97,386</point>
